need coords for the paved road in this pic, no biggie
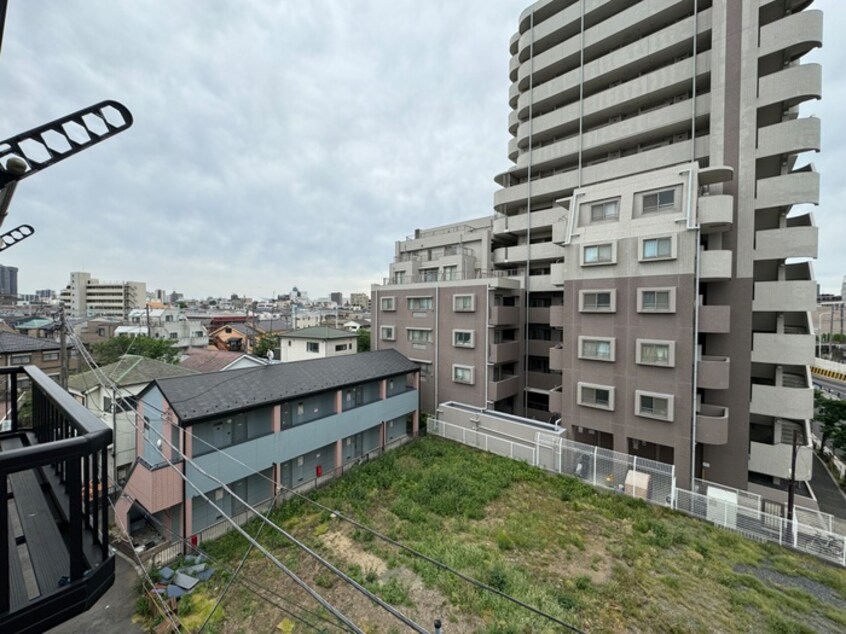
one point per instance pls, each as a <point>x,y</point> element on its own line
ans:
<point>829,496</point>
<point>113,612</point>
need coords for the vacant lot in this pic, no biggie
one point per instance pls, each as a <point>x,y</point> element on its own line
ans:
<point>603,562</point>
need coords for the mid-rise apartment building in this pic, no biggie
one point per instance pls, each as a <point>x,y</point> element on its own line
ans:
<point>85,296</point>
<point>664,283</point>
<point>9,281</point>
<point>166,323</point>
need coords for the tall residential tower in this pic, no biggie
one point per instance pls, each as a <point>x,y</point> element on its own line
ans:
<point>650,218</point>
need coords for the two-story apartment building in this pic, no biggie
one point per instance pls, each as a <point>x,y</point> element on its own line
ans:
<point>166,323</point>
<point>316,342</point>
<point>288,424</point>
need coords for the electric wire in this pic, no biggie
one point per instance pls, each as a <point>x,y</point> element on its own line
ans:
<point>375,533</point>
<point>249,585</point>
<point>290,573</point>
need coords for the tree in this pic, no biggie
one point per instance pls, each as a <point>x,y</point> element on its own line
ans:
<point>831,414</point>
<point>267,342</point>
<point>363,340</point>
<point>112,350</point>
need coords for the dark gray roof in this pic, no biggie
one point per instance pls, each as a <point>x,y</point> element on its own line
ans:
<point>12,343</point>
<point>202,395</point>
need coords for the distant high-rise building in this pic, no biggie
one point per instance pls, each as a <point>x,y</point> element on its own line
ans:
<point>9,280</point>
<point>85,296</point>
<point>338,298</point>
<point>362,300</point>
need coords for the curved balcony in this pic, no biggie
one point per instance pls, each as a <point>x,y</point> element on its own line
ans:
<point>784,296</point>
<point>539,251</point>
<point>789,137</point>
<point>783,348</point>
<point>519,224</point>
<point>793,398</point>
<point>715,265</point>
<point>53,477</point>
<point>714,372</point>
<point>789,189</point>
<point>712,425</point>
<point>716,213</point>
<point>715,319</point>
<point>787,242</point>
<point>794,34</point>
<point>538,314</point>
<point>556,358</point>
<point>771,449</point>
<point>791,86</point>
<point>556,315</point>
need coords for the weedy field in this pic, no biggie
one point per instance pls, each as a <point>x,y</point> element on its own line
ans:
<point>599,561</point>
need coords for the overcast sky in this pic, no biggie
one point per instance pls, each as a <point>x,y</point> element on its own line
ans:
<point>284,143</point>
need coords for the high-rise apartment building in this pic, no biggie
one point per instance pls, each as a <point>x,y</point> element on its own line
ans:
<point>85,296</point>
<point>337,298</point>
<point>649,220</point>
<point>9,281</point>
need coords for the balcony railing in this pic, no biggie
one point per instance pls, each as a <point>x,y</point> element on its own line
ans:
<point>55,560</point>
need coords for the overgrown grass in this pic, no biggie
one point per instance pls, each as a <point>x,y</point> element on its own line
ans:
<point>601,561</point>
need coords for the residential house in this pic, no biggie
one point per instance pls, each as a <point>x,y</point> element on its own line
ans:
<point>236,337</point>
<point>316,342</point>
<point>209,360</point>
<point>131,374</point>
<point>287,424</point>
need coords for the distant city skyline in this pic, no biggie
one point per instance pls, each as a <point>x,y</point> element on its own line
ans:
<point>283,145</point>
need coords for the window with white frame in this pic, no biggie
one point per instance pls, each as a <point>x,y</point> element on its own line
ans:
<point>596,348</point>
<point>399,277</point>
<point>606,210</point>
<point>598,396</point>
<point>420,303</point>
<point>463,303</point>
<point>388,304</point>
<point>419,335</point>
<point>16,359</point>
<point>387,333</point>
<point>663,200</point>
<point>656,248</point>
<point>462,374</point>
<point>312,346</point>
<point>463,338</point>
<point>597,301</point>
<point>656,352</point>
<point>653,405</point>
<point>450,273</point>
<point>656,300</point>
<point>598,254</point>
<point>50,356</point>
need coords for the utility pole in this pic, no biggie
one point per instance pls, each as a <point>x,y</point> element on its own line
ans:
<point>149,326</point>
<point>792,484</point>
<point>63,350</point>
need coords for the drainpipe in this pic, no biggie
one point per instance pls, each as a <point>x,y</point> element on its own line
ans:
<point>693,224</point>
<point>526,272</point>
<point>437,346</point>
<point>487,340</point>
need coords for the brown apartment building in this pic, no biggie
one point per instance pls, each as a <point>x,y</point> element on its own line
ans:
<point>645,239</point>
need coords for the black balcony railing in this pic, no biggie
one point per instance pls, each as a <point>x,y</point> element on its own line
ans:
<point>55,560</point>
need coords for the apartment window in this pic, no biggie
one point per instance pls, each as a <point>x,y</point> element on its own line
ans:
<point>341,346</point>
<point>17,359</point>
<point>419,335</point>
<point>653,405</point>
<point>387,333</point>
<point>312,346</point>
<point>174,335</point>
<point>607,210</point>
<point>598,254</point>
<point>597,301</point>
<point>399,277</point>
<point>420,303</point>
<point>656,352</point>
<point>429,275</point>
<point>656,248</point>
<point>50,356</point>
<point>664,200</point>
<point>656,300</point>
<point>598,396</point>
<point>450,273</point>
<point>463,303</point>
<point>388,304</point>
<point>596,348</point>
<point>462,338</point>
<point>462,374</point>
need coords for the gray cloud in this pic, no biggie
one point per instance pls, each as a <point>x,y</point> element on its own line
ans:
<point>277,144</point>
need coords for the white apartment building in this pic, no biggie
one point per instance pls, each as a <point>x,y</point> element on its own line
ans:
<point>85,296</point>
<point>650,220</point>
<point>166,323</point>
<point>316,342</point>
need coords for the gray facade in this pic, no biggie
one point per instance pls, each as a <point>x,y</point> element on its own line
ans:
<point>9,280</point>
